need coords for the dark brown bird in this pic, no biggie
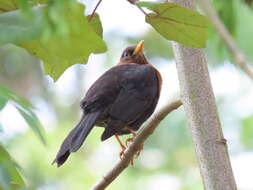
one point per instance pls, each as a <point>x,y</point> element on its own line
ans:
<point>120,100</point>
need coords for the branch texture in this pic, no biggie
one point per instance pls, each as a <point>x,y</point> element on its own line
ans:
<point>239,57</point>
<point>142,135</point>
<point>200,108</point>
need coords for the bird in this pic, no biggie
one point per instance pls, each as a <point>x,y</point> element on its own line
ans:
<point>120,100</point>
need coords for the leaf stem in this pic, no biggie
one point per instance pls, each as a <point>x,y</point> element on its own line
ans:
<point>139,7</point>
<point>94,11</point>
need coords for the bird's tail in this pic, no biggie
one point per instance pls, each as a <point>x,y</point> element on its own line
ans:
<point>76,137</point>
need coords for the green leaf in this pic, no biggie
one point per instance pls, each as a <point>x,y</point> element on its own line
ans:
<point>96,25</point>
<point>32,121</point>
<point>25,109</point>
<point>3,101</point>
<point>16,26</point>
<point>247,132</point>
<point>6,95</point>
<point>72,41</point>
<point>60,52</point>
<point>10,178</point>
<point>7,5</point>
<point>175,22</point>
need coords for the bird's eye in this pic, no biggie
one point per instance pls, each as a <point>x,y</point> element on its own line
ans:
<point>126,54</point>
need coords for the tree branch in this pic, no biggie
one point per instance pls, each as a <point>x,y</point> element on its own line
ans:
<point>239,57</point>
<point>200,108</point>
<point>142,135</point>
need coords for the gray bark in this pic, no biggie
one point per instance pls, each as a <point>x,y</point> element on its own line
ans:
<point>199,104</point>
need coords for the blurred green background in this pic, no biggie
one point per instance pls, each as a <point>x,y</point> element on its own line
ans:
<point>168,160</point>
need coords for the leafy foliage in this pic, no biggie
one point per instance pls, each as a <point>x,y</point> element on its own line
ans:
<point>72,43</point>
<point>9,175</point>
<point>16,27</point>
<point>178,23</point>
<point>96,24</point>
<point>24,108</point>
<point>58,53</point>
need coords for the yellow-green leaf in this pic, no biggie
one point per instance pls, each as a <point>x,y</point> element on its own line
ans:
<point>61,51</point>
<point>175,22</point>
<point>59,34</point>
<point>96,25</point>
<point>16,27</point>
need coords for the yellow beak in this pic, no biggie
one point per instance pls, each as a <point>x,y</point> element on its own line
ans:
<point>139,47</point>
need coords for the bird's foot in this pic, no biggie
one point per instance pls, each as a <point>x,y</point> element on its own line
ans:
<point>122,146</point>
<point>130,140</point>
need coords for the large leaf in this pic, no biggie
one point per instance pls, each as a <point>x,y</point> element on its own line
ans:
<point>175,22</point>
<point>60,52</point>
<point>25,109</point>
<point>96,25</point>
<point>16,26</point>
<point>7,5</point>
<point>9,175</point>
<point>74,43</point>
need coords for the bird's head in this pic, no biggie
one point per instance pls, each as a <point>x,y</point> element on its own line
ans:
<point>134,54</point>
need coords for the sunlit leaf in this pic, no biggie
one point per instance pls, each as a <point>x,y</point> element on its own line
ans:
<point>96,25</point>
<point>7,5</point>
<point>60,52</point>
<point>16,26</point>
<point>9,175</point>
<point>74,43</point>
<point>25,109</point>
<point>178,23</point>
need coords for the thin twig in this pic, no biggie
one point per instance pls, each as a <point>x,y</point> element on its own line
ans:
<point>94,11</point>
<point>142,135</point>
<point>146,14</point>
<point>134,3</point>
<point>239,57</point>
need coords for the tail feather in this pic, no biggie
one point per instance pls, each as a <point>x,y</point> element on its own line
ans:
<point>76,137</point>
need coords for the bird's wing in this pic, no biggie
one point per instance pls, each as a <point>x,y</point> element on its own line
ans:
<point>102,93</point>
<point>138,92</point>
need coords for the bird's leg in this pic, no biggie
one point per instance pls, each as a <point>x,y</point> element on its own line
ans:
<point>131,138</point>
<point>122,146</point>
